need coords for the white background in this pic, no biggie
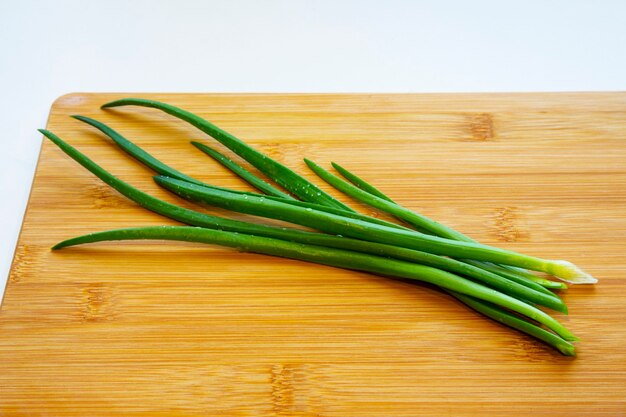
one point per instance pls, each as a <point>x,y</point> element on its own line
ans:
<point>49,48</point>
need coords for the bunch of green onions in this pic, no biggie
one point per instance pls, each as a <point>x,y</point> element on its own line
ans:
<point>495,282</point>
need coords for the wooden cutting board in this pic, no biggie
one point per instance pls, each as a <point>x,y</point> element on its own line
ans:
<point>175,329</point>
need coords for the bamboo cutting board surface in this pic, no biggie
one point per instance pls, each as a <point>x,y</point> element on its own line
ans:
<point>180,329</point>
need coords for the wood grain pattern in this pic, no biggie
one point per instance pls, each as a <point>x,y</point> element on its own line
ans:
<point>153,329</point>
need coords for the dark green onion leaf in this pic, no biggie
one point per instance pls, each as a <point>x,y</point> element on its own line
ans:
<point>278,172</point>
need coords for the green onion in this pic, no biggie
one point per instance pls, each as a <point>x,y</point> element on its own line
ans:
<point>328,256</point>
<point>241,172</point>
<point>331,223</point>
<point>200,219</point>
<point>278,172</point>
